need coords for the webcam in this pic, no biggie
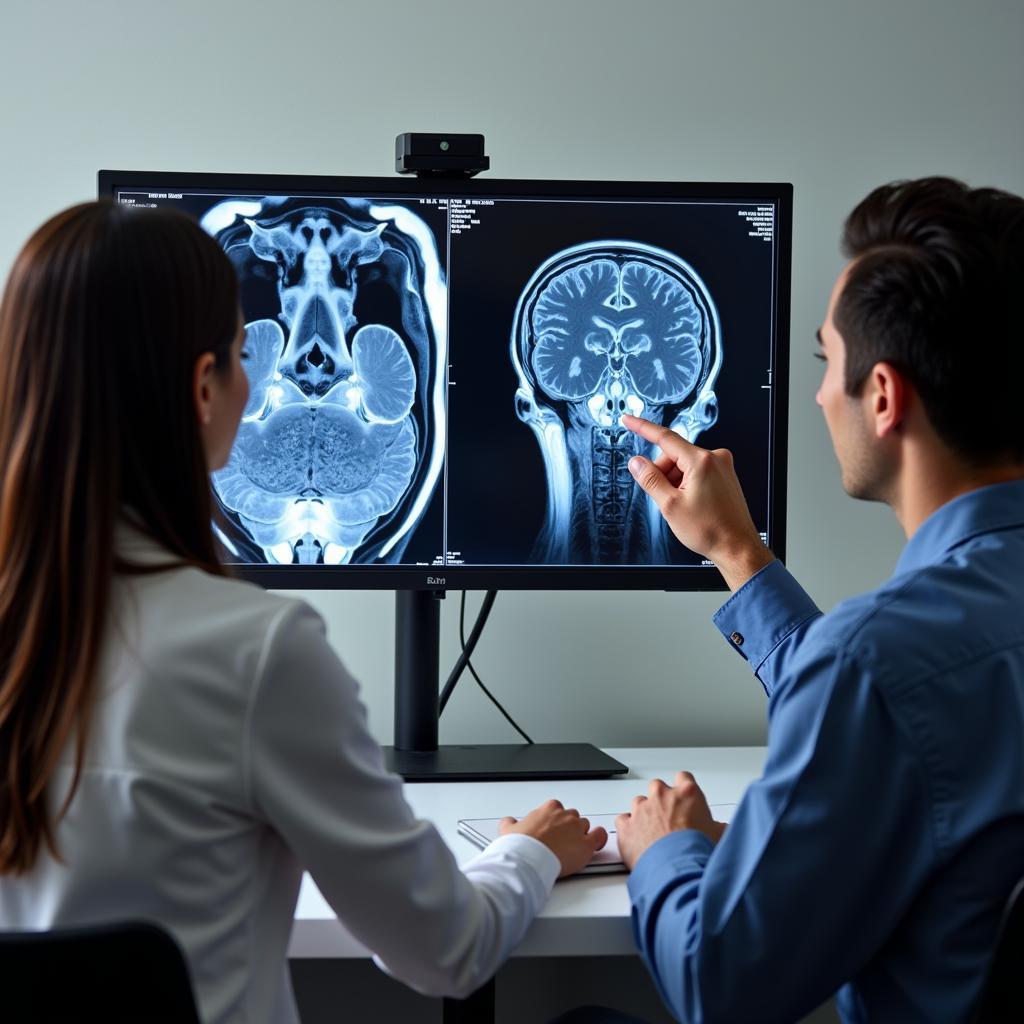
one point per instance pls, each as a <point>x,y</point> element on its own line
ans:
<point>430,155</point>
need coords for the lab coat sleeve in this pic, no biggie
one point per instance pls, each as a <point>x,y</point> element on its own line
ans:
<point>317,776</point>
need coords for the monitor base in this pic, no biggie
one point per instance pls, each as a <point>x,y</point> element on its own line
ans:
<point>503,762</point>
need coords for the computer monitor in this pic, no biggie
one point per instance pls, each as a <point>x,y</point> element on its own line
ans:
<point>438,370</point>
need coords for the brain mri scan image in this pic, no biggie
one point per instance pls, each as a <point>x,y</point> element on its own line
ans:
<point>342,441</point>
<point>603,329</point>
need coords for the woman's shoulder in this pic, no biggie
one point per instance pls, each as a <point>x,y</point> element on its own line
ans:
<point>226,618</point>
<point>245,599</point>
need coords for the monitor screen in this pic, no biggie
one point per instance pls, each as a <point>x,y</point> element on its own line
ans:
<point>438,371</point>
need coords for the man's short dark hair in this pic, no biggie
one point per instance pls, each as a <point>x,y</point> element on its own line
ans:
<point>936,288</point>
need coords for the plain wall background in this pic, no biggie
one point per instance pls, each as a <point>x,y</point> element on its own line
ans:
<point>834,97</point>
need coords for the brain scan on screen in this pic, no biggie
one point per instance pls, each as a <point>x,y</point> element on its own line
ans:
<point>602,329</point>
<point>341,443</point>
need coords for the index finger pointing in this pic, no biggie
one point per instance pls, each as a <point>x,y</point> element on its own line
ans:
<point>667,440</point>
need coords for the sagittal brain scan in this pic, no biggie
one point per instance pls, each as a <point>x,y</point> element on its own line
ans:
<point>603,329</point>
<point>340,446</point>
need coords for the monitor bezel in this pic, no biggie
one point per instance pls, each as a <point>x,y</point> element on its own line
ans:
<point>389,577</point>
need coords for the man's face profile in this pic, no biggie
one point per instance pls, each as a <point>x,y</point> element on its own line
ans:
<point>845,415</point>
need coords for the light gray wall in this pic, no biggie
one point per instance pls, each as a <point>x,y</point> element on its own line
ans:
<point>835,97</point>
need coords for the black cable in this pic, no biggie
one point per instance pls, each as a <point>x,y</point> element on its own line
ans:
<point>467,652</point>
<point>472,671</point>
<point>467,648</point>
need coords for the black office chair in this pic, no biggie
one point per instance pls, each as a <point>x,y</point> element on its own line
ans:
<point>115,973</point>
<point>1002,997</point>
<point>596,1015</point>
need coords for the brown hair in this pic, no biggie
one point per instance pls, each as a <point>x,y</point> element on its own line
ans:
<point>103,317</point>
<point>933,289</point>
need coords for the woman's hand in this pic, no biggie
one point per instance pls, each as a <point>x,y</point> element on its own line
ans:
<point>567,835</point>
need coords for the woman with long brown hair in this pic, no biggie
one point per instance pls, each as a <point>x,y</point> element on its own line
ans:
<point>175,744</point>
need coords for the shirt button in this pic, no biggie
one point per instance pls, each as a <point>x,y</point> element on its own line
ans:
<point>737,639</point>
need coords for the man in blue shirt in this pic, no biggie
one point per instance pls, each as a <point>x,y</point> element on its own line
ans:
<point>875,854</point>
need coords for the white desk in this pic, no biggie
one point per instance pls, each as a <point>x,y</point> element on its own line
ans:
<point>584,916</point>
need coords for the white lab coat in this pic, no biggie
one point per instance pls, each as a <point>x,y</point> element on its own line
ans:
<point>229,750</point>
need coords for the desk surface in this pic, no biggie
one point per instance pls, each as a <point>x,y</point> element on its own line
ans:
<point>585,916</point>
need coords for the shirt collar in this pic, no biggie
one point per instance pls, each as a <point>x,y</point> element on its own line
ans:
<point>985,510</point>
<point>137,547</point>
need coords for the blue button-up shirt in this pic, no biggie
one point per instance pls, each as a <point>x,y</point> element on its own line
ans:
<point>878,848</point>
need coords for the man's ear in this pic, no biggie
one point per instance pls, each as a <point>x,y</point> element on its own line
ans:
<point>202,392</point>
<point>888,396</point>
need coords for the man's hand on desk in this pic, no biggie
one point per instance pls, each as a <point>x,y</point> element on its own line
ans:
<point>567,835</point>
<point>663,811</point>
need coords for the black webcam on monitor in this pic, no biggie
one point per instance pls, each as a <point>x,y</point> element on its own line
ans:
<point>429,155</point>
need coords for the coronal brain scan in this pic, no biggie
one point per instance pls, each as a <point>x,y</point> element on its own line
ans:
<point>602,329</point>
<point>342,441</point>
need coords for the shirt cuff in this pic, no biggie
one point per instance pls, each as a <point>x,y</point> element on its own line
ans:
<point>763,612</point>
<point>672,858</point>
<point>524,850</point>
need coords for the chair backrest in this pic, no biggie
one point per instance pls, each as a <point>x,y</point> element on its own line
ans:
<point>131,971</point>
<point>1002,997</point>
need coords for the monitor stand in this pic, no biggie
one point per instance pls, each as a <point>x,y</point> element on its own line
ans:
<point>416,755</point>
